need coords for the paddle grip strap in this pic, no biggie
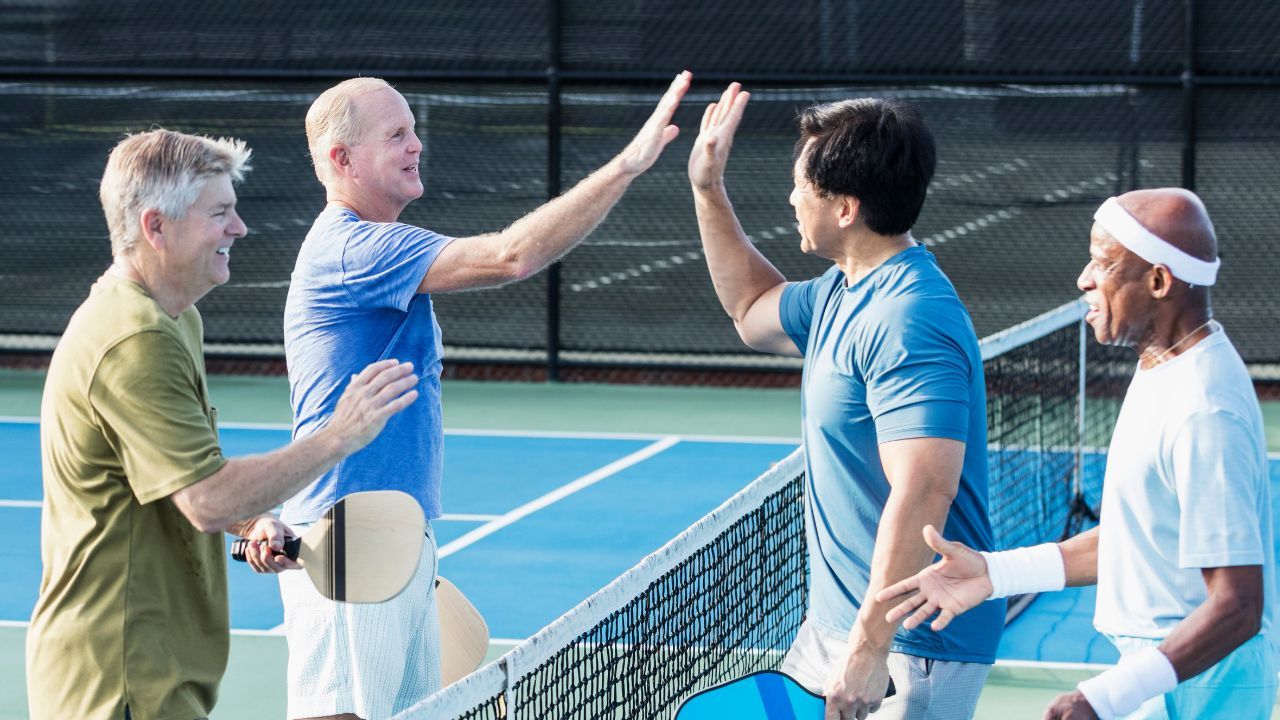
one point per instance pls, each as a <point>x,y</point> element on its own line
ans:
<point>1134,680</point>
<point>291,548</point>
<point>1021,571</point>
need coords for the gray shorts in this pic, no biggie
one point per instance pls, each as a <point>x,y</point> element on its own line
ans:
<point>927,689</point>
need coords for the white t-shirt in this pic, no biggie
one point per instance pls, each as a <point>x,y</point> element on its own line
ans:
<point>1186,488</point>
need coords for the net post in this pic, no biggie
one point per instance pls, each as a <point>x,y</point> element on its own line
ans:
<point>508,688</point>
<point>1077,480</point>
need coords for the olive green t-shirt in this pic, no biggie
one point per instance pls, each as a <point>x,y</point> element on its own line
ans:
<point>133,599</point>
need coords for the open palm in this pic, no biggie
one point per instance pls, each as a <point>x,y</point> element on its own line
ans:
<point>954,584</point>
<point>715,138</point>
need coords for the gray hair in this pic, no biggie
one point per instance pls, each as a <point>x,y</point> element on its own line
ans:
<point>165,171</point>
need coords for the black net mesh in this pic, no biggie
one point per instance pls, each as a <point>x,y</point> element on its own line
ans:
<point>1032,426</point>
<point>729,609</point>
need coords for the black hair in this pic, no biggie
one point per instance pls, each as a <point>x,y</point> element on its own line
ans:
<point>877,150</point>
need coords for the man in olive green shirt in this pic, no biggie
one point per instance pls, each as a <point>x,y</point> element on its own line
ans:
<point>132,618</point>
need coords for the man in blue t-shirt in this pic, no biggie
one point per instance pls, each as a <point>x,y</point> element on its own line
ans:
<point>360,292</point>
<point>893,399</point>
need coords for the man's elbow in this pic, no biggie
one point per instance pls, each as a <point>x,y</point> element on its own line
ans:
<point>515,264</point>
<point>196,507</point>
<point>1247,614</point>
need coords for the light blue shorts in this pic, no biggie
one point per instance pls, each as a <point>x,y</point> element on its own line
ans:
<point>1242,686</point>
<point>371,659</point>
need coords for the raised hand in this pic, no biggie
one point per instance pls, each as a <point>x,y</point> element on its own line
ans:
<point>715,138</point>
<point>954,584</point>
<point>381,390</point>
<point>643,151</point>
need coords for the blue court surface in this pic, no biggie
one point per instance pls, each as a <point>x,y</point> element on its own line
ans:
<point>534,523</point>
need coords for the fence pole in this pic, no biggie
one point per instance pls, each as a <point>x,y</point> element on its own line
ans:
<point>1189,98</point>
<point>553,184</point>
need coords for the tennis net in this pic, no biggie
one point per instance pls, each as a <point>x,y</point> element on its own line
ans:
<point>726,597</point>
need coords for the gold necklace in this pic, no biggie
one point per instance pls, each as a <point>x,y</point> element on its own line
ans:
<point>1160,358</point>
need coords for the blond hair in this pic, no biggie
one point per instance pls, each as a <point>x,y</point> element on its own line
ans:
<point>165,171</point>
<point>333,119</point>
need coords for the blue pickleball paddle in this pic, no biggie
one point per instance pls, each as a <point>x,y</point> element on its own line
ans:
<point>764,695</point>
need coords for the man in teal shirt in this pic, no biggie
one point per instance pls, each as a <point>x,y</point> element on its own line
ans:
<point>894,407</point>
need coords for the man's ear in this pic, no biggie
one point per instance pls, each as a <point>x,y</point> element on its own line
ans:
<point>340,160</point>
<point>155,227</point>
<point>847,210</point>
<point>1159,281</point>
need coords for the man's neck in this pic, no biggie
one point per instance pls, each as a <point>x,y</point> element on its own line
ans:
<point>170,299</point>
<point>366,208</point>
<point>866,251</point>
<point>1173,334</point>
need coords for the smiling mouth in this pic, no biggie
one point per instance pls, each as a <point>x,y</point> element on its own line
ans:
<point>224,251</point>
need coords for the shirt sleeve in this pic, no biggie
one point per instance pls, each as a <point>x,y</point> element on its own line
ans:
<point>383,264</point>
<point>795,309</point>
<point>1220,488</point>
<point>917,375</point>
<point>147,396</point>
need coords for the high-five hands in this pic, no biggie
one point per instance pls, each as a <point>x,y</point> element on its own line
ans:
<point>715,138</point>
<point>954,584</point>
<point>657,132</point>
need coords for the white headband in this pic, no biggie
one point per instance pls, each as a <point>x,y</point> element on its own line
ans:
<point>1150,247</point>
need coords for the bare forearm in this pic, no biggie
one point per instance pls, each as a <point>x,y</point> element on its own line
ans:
<point>1080,558</point>
<point>739,272</point>
<point>248,486</point>
<point>546,234</point>
<point>900,552</point>
<point>1230,616</point>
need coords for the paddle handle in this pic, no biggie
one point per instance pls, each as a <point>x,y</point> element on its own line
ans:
<point>291,548</point>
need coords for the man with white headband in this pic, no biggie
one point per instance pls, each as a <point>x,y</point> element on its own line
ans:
<point>1183,558</point>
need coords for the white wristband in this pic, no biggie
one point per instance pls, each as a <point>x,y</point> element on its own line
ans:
<point>1134,680</point>
<point>1038,568</point>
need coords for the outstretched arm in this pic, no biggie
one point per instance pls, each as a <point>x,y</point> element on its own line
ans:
<point>544,235</point>
<point>250,485</point>
<point>961,580</point>
<point>748,285</point>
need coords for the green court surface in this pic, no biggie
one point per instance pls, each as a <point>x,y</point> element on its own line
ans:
<point>254,683</point>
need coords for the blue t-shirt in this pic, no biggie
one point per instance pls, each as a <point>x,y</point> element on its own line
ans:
<point>890,358</point>
<point>353,300</point>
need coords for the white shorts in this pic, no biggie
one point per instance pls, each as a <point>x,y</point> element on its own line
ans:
<point>371,659</point>
<point>926,689</point>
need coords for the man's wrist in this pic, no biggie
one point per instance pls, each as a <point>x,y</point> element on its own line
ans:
<point>871,637</point>
<point>1134,680</point>
<point>1039,568</point>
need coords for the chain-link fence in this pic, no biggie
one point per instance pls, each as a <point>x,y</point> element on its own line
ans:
<point>1041,110</point>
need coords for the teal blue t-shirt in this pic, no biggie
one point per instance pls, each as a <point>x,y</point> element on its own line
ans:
<point>891,358</point>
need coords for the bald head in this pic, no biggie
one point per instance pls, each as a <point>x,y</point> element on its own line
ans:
<point>1177,216</point>
<point>335,117</point>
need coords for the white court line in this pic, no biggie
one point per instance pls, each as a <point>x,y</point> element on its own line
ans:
<point>556,495</point>
<point>468,517</point>
<point>458,517</point>
<point>481,432</point>
<point>571,435</point>
<point>273,632</point>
